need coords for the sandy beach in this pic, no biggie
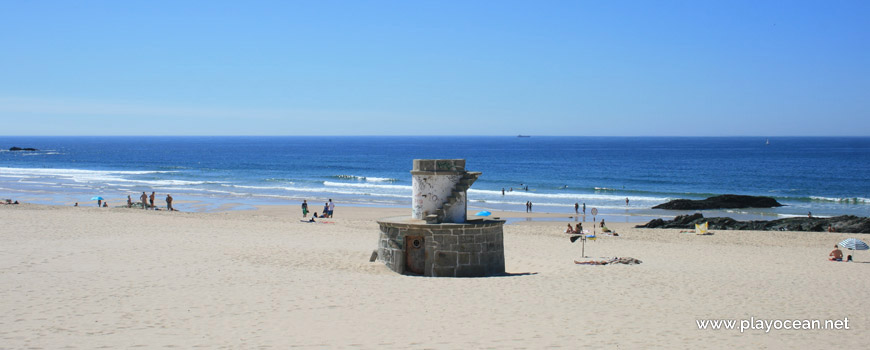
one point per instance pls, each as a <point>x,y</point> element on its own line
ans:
<point>89,278</point>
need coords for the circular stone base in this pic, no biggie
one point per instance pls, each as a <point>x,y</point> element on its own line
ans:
<point>471,249</point>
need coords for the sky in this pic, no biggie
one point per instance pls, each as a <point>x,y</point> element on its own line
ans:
<point>585,68</point>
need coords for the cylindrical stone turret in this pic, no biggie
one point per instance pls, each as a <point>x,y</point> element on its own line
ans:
<point>439,187</point>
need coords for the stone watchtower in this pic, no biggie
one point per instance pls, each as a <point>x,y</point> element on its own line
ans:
<point>437,239</point>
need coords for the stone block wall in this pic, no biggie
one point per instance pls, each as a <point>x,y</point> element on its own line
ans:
<point>473,249</point>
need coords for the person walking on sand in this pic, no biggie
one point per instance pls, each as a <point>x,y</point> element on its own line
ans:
<point>129,201</point>
<point>151,201</point>
<point>144,199</point>
<point>169,202</point>
<point>331,208</point>
<point>304,208</point>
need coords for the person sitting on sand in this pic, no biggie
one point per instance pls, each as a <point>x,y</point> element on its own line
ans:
<point>105,204</point>
<point>579,228</point>
<point>602,222</point>
<point>570,229</point>
<point>836,254</point>
<point>312,217</point>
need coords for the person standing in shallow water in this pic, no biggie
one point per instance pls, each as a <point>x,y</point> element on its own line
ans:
<point>169,202</point>
<point>129,201</point>
<point>304,208</point>
<point>576,208</point>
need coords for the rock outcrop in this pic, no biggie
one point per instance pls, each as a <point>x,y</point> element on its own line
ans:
<point>844,223</point>
<point>728,201</point>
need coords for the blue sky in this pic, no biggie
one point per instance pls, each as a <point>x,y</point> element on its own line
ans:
<point>621,68</point>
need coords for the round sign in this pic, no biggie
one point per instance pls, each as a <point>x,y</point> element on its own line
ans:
<point>594,211</point>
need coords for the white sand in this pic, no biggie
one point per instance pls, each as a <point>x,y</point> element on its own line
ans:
<point>121,278</point>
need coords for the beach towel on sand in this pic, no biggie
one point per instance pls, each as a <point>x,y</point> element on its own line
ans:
<point>627,261</point>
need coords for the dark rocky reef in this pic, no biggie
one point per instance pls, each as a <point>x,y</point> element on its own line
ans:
<point>22,149</point>
<point>727,201</point>
<point>844,223</point>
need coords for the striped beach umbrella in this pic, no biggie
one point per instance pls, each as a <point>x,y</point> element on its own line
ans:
<point>854,244</point>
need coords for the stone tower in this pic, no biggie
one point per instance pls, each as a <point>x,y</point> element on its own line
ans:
<point>437,239</point>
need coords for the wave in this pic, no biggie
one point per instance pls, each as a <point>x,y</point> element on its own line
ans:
<point>571,196</point>
<point>365,178</point>
<point>282,180</point>
<point>366,185</point>
<point>845,200</point>
<point>73,172</point>
<point>316,191</point>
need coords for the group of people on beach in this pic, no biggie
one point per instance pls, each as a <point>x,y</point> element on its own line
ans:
<point>150,199</point>
<point>577,208</point>
<point>145,201</point>
<point>837,255</point>
<point>328,209</point>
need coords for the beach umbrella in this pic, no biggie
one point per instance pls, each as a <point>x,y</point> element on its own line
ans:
<point>97,198</point>
<point>483,213</point>
<point>854,244</point>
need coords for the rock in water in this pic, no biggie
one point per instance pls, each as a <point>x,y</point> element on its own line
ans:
<point>728,201</point>
<point>844,223</point>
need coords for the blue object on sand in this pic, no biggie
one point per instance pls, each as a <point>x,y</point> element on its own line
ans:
<point>483,213</point>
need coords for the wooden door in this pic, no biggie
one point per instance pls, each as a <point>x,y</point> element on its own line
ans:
<point>415,255</point>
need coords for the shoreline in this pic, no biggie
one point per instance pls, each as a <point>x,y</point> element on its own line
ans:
<point>197,203</point>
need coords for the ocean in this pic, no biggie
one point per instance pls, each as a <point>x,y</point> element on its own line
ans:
<point>826,176</point>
